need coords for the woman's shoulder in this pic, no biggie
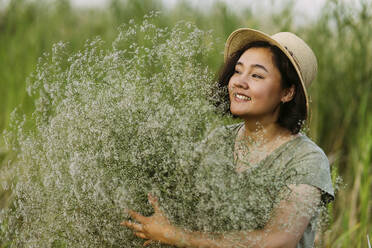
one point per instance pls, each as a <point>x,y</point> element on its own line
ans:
<point>223,134</point>
<point>306,146</point>
<point>311,162</point>
<point>228,130</point>
<point>305,153</point>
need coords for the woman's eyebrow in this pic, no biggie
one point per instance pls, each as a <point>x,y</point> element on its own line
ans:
<point>260,66</point>
<point>254,65</point>
<point>239,63</point>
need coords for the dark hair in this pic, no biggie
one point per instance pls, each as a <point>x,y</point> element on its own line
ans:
<point>292,114</point>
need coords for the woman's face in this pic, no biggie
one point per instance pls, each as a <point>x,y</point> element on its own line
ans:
<point>255,87</point>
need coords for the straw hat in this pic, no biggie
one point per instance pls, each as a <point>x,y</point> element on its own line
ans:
<point>298,52</point>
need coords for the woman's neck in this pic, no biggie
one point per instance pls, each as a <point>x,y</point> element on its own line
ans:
<point>256,141</point>
<point>264,132</point>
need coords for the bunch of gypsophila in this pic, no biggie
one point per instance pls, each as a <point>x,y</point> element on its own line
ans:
<point>112,125</point>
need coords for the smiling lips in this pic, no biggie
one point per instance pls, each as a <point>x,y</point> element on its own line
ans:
<point>241,97</point>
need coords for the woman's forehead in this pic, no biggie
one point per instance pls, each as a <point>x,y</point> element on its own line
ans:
<point>258,57</point>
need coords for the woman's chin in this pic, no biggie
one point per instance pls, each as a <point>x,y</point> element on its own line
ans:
<point>240,114</point>
<point>238,111</point>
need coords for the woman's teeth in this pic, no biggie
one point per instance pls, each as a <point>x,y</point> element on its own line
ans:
<point>242,97</point>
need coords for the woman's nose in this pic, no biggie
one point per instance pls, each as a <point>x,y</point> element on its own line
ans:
<point>241,82</point>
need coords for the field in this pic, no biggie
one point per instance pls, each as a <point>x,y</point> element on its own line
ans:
<point>341,102</point>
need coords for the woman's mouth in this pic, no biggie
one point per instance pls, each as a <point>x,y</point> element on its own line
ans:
<point>241,97</point>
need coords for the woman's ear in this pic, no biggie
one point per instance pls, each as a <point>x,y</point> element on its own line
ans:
<point>288,94</point>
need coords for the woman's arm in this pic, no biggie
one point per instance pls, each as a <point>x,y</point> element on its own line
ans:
<point>285,228</point>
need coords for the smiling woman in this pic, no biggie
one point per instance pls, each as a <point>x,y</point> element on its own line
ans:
<point>255,87</point>
<point>276,68</point>
<point>282,177</point>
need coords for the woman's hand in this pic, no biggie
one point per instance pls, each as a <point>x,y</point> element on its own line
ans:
<point>304,199</point>
<point>153,228</point>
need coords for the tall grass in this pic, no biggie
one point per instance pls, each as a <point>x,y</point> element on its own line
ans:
<point>341,95</point>
<point>342,102</point>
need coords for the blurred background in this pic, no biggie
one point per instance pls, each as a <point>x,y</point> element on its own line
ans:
<point>340,33</point>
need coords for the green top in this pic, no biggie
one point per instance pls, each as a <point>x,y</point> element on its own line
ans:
<point>298,161</point>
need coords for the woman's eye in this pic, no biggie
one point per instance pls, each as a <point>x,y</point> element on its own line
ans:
<point>236,71</point>
<point>257,76</point>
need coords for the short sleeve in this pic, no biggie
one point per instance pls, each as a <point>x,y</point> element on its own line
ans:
<point>311,167</point>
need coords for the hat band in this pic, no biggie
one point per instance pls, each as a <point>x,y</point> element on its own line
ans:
<point>294,58</point>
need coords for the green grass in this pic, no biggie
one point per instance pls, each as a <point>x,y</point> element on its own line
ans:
<point>341,94</point>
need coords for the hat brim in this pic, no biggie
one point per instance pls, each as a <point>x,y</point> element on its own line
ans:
<point>240,37</point>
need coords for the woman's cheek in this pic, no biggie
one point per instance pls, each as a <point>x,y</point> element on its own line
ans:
<point>262,91</point>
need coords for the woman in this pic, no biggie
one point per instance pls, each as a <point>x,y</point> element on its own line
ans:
<point>266,77</point>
